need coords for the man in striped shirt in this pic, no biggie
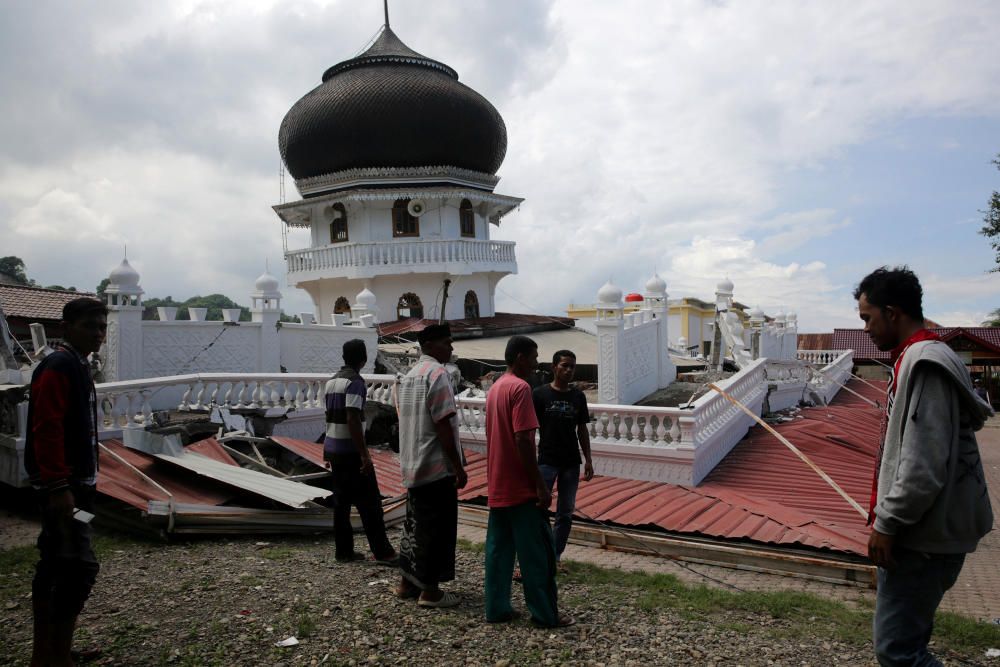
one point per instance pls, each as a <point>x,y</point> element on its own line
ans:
<point>432,465</point>
<point>345,450</point>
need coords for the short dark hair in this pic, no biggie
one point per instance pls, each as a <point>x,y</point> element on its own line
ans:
<point>434,332</point>
<point>518,345</point>
<point>85,306</point>
<point>557,357</point>
<point>897,287</point>
<point>355,351</point>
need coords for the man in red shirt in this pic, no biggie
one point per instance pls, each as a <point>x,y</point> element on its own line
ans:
<point>518,497</point>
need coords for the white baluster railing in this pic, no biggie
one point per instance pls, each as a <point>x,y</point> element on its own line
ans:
<point>400,253</point>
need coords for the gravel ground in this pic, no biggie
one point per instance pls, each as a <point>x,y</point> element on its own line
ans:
<point>227,602</point>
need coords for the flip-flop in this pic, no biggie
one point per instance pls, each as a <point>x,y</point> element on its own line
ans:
<point>406,593</point>
<point>447,600</point>
<point>391,561</point>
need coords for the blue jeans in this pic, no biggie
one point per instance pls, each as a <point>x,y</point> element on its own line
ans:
<point>908,595</point>
<point>568,482</point>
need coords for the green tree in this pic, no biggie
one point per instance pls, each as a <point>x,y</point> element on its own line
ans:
<point>101,286</point>
<point>993,319</point>
<point>991,220</point>
<point>14,267</point>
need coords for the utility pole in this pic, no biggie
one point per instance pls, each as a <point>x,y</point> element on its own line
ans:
<point>444,299</point>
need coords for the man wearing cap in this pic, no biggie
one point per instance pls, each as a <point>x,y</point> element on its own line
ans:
<point>433,470</point>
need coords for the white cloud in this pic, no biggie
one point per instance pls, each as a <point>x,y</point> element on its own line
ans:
<point>643,136</point>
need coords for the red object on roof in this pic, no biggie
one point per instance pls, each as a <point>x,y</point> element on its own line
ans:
<point>633,298</point>
<point>815,341</point>
<point>760,493</point>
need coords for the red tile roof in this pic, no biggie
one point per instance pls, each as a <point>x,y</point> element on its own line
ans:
<point>36,303</point>
<point>858,340</point>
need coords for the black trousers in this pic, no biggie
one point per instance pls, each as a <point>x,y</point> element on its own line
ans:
<point>67,567</point>
<point>350,487</point>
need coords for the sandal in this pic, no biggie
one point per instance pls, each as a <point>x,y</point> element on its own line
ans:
<point>388,561</point>
<point>565,620</point>
<point>446,600</point>
<point>406,593</point>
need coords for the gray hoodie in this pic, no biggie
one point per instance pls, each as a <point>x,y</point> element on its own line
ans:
<point>931,488</point>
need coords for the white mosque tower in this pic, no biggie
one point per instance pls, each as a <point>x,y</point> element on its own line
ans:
<point>396,164</point>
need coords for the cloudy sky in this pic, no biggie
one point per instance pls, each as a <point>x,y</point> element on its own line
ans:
<point>792,146</point>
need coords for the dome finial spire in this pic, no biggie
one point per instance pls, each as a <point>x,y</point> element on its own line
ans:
<point>385,6</point>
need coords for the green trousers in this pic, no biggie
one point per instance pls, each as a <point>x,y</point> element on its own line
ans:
<point>522,530</point>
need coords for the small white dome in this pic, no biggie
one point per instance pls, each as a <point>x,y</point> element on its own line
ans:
<point>656,284</point>
<point>609,294</point>
<point>792,317</point>
<point>726,286</point>
<point>780,317</point>
<point>365,298</point>
<point>757,313</point>
<point>266,283</point>
<point>124,275</point>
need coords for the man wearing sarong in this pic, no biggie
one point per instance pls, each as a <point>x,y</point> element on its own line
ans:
<point>433,470</point>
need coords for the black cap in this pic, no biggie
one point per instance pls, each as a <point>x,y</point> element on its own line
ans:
<point>434,332</point>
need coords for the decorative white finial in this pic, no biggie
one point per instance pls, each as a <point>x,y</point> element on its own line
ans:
<point>609,294</point>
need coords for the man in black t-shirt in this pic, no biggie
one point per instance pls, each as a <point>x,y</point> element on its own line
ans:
<point>562,418</point>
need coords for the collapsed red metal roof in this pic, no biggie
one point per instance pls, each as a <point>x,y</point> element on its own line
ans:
<point>760,492</point>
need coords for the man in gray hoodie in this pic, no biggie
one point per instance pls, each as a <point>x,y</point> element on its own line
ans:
<point>929,504</point>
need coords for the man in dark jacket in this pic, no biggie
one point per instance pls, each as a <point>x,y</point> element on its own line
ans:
<point>60,455</point>
<point>929,504</point>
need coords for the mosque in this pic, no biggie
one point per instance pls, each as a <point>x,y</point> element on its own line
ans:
<point>396,161</point>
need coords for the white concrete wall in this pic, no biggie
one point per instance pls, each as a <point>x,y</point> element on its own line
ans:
<point>157,349</point>
<point>388,289</point>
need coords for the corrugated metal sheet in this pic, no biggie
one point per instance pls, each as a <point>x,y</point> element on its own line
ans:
<point>119,481</point>
<point>292,494</point>
<point>760,493</point>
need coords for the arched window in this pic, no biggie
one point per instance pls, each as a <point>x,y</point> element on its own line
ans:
<point>342,306</point>
<point>471,305</point>
<point>338,223</point>
<point>404,224</point>
<point>409,306</point>
<point>467,219</point>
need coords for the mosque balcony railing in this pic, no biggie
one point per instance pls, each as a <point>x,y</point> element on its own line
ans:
<point>369,259</point>
<point>131,403</point>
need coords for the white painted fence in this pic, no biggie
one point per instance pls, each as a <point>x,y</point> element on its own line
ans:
<point>679,445</point>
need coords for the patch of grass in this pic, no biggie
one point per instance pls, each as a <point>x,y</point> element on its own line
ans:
<point>305,625</point>
<point>107,543</point>
<point>802,614</point>
<point>18,567</point>
<point>472,547</point>
<point>277,553</point>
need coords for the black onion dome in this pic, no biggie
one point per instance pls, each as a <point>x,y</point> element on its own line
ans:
<point>391,107</point>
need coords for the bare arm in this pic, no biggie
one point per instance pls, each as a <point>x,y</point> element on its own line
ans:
<point>524,444</point>
<point>446,436</point>
<point>588,464</point>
